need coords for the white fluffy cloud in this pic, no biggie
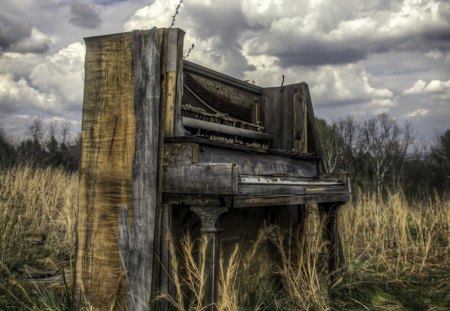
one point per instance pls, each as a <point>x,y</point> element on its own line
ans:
<point>157,14</point>
<point>417,112</point>
<point>50,86</point>
<point>54,85</point>
<point>61,76</point>
<point>16,94</point>
<point>433,87</point>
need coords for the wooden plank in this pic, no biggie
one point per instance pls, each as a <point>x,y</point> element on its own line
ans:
<point>259,164</point>
<point>277,115</point>
<point>336,259</point>
<point>206,141</point>
<point>186,199</point>
<point>172,68</point>
<point>277,190</point>
<point>201,178</point>
<point>254,201</point>
<point>314,144</point>
<point>164,255</point>
<point>171,56</point>
<point>146,61</point>
<point>171,78</point>
<point>179,129</point>
<point>225,129</point>
<point>297,131</point>
<point>275,186</point>
<point>108,142</point>
<point>220,77</point>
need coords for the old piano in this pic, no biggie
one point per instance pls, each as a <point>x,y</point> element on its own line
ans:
<point>197,144</point>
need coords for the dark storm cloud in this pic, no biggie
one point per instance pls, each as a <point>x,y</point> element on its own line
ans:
<point>340,104</point>
<point>338,38</point>
<point>309,52</point>
<point>18,37</point>
<point>84,15</point>
<point>320,53</point>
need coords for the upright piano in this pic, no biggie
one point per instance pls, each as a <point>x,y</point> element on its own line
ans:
<point>169,145</point>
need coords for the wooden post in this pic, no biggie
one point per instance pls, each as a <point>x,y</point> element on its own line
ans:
<point>336,259</point>
<point>209,217</point>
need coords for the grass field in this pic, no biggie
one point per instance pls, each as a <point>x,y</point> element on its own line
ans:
<point>397,255</point>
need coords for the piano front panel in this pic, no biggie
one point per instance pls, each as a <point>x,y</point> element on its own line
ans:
<point>198,169</point>
<point>262,164</point>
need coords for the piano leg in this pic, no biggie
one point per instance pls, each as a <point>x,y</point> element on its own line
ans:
<point>329,216</point>
<point>210,229</point>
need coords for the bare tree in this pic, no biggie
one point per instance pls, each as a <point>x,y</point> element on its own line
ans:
<point>52,143</point>
<point>386,143</point>
<point>65,130</point>
<point>331,141</point>
<point>347,129</point>
<point>36,130</point>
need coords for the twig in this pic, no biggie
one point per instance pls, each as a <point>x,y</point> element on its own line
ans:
<point>360,304</point>
<point>189,51</point>
<point>174,16</point>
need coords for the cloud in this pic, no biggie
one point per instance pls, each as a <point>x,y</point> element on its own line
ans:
<point>434,86</point>
<point>61,75</point>
<point>84,15</point>
<point>55,85</point>
<point>329,34</point>
<point>418,112</point>
<point>157,14</point>
<point>16,94</point>
<point>217,28</point>
<point>21,37</point>
<point>19,64</point>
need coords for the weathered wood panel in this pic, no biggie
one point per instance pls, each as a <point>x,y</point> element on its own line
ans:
<point>276,186</point>
<point>172,69</point>
<point>170,106</point>
<point>313,138</point>
<point>277,115</point>
<point>108,142</point>
<point>254,201</point>
<point>137,253</point>
<point>176,154</point>
<point>300,125</point>
<point>220,77</point>
<point>259,164</point>
<point>201,178</point>
<point>294,127</point>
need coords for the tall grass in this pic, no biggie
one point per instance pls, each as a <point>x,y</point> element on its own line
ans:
<point>396,236</point>
<point>35,203</point>
<point>394,249</point>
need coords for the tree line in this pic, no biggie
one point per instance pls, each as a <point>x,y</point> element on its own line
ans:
<point>380,154</point>
<point>54,145</point>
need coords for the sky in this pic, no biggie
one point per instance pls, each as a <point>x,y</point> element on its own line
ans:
<point>359,57</point>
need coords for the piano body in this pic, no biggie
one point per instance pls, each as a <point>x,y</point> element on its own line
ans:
<point>178,141</point>
<point>242,146</point>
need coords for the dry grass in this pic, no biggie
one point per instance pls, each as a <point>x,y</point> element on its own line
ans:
<point>398,254</point>
<point>396,236</point>
<point>35,203</point>
<point>188,266</point>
